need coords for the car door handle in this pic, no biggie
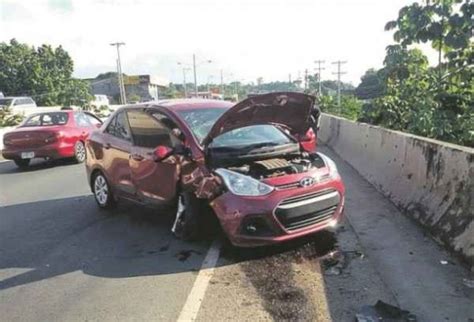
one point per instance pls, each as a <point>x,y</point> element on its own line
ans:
<point>137,157</point>
<point>107,146</point>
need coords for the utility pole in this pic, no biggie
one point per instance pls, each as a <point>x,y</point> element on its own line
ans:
<point>289,79</point>
<point>195,78</point>
<point>319,62</point>
<point>123,97</point>
<point>306,79</point>
<point>222,83</point>
<point>184,82</point>
<point>339,73</point>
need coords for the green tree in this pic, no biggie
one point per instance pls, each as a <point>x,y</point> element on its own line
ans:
<point>371,85</point>
<point>45,73</point>
<point>436,102</point>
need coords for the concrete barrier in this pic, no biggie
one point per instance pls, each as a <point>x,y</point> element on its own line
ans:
<point>430,180</point>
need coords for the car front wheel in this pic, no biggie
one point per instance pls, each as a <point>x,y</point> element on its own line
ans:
<point>187,222</point>
<point>102,192</point>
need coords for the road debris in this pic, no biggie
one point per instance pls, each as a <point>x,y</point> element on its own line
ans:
<point>443,262</point>
<point>384,312</point>
<point>185,254</point>
<point>469,283</point>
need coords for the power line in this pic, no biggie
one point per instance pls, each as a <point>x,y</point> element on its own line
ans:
<point>123,97</point>
<point>319,62</point>
<point>339,73</point>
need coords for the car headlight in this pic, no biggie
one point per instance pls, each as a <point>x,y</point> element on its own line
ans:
<point>243,185</point>
<point>333,172</point>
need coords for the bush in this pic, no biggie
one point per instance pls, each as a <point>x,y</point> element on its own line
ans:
<point>350,106</point>
<point>7,118</point>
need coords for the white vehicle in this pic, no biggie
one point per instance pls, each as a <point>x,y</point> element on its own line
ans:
<point>17,102</point>
<point>100,100</point>
<point>1,95</point>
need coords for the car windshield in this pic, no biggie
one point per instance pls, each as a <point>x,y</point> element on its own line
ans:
<point>5,101</point>
<point>253,136</point>
<point>47,119</point>
<point>200,121</point>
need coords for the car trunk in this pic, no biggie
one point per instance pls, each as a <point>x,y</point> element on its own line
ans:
<point>31,137</point>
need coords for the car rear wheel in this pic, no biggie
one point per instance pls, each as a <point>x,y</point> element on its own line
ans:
<point>79,152</point>
<point>22,163</point>
<point>102,192</point>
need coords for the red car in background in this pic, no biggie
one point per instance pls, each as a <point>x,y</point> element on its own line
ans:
<point>50,135</point>
<point>241,162</point>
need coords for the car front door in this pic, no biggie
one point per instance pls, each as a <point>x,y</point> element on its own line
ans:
<point>155,181</point>
<point>116,147</point>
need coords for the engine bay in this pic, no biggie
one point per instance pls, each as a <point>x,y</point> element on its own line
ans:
<point>275,167</point>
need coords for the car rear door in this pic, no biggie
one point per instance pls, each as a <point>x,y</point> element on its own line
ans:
<point>116,148</point>
<point>155,181</point>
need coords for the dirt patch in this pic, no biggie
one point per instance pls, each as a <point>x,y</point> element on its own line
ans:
<point>271,272</point>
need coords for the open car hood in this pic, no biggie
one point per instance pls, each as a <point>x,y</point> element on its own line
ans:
<point>288,109</point>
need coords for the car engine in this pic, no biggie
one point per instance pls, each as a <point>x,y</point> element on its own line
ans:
<point>274,167</point>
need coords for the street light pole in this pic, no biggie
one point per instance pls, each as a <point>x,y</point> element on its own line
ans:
<point>195,78</point>
<point>123,97</point>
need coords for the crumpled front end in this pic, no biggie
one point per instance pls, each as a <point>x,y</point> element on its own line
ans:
<point>300,204</point>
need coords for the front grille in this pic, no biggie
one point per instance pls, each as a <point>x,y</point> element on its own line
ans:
<point>306,210</point>
<point>297,184</point>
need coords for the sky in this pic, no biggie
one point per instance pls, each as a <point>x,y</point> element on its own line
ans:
<point>245,39</point>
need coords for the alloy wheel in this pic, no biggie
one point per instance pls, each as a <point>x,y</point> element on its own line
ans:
<point>80,152</point>
<point>101,190</point>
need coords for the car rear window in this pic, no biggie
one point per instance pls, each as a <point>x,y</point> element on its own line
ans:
<point>47,119</point>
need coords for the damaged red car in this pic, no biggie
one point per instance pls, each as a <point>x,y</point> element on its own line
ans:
<point>242,162</point>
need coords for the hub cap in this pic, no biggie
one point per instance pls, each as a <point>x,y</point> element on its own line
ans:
<point>80,151</point>
<point>101,190</point>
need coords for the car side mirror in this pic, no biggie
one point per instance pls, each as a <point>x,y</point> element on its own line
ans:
<point>162,152</point>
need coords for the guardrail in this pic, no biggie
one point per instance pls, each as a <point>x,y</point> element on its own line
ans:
<point>432,181</point>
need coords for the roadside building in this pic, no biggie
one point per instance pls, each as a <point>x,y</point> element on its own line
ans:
<point>138,88</point>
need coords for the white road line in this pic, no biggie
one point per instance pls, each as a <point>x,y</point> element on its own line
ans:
<point>1,161</point>
<point>193,303</point>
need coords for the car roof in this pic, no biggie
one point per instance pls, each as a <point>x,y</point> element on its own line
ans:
<point>191,103</point>
<point>12,97</point>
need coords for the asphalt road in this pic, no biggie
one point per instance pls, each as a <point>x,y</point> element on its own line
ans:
<point>63,259</point>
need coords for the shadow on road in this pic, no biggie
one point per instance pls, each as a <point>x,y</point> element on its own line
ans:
<point>57,237</point>
<point>37,164</point>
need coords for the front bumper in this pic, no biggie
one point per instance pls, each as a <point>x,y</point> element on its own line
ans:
<point>280,216</point>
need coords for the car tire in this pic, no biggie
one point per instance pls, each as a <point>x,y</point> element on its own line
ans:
<point>22,163</point>
<point>80,152</point>
<point>102,193</point>
<point>187,224</point>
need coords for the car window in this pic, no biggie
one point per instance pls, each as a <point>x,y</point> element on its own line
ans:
<point>147,131</point>
<point>250,135</point>
<point>47,119</point>
<point>5,101</point>
<point>17,102</point>
<point>119,128</point>
<point>81,120</point>
<point>93,120</point>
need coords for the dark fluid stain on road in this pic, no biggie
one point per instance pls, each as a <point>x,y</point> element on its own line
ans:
<point>164,248</point>
<point>269,269</point>
<point>185,254</point>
